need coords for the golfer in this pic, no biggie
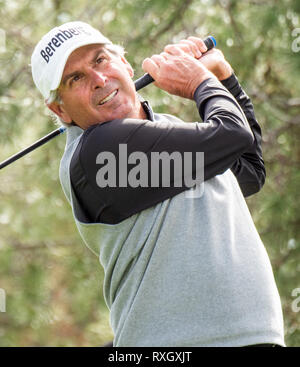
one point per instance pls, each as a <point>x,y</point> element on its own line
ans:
<point>184,265</point>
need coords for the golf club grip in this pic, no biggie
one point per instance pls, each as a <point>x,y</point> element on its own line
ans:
<point>146,79</point>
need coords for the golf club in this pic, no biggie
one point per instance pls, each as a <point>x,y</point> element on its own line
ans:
<point>140,83</point>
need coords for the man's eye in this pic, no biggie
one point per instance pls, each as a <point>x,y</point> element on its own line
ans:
<point>100,60</point>
<point>75,78</point>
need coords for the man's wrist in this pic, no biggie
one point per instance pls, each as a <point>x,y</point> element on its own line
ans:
<point>225,72</point>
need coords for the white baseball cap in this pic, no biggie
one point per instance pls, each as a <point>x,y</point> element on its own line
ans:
<point>50,55</point>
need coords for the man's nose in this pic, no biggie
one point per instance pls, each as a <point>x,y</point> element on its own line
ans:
<point>98,79</point>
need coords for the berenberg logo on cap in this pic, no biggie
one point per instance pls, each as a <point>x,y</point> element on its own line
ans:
<point>59,38</point>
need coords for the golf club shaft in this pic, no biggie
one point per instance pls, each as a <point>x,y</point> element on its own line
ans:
<point>140,83</point>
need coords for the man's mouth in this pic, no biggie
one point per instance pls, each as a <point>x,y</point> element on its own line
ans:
<point>109,97</point>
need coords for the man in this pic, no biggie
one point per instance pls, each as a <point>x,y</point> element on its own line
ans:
<point>179,271</point>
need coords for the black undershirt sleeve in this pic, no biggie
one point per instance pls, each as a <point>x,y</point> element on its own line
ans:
<point>223,136</point>
<point>249,168</point>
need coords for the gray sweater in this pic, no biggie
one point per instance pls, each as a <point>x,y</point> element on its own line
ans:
<point>186,272</point>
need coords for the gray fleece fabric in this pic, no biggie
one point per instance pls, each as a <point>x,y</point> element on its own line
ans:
<point>187,272</point>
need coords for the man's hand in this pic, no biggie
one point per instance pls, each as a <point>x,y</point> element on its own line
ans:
<point>213,59</point>
<point>177,71</point>
<point>215,62</point>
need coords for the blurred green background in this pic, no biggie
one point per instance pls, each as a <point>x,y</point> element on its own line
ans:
<point>53,284</point>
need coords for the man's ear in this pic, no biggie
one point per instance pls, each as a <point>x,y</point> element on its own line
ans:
<point>59,110</point>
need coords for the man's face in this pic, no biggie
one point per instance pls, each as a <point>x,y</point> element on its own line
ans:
<point>96,86</point>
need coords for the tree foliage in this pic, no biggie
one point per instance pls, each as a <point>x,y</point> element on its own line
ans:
<point>53,283</point>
